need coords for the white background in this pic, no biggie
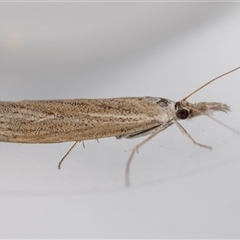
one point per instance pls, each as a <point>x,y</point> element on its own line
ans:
<point>101,50</point>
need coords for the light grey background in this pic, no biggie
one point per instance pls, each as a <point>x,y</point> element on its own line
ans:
<point>101,50</point>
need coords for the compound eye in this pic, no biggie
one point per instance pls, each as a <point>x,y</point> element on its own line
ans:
<point>182,113</point>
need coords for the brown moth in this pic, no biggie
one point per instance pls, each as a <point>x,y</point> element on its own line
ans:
<point>75,120</point>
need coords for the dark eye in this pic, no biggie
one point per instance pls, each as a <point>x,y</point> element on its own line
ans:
<point>182,113</point>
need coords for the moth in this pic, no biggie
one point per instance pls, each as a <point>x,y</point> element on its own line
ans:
<point>76,120</point>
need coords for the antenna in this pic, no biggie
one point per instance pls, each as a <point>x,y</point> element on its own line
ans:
<point>204,85</point>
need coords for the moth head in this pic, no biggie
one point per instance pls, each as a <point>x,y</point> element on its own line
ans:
<point>186,110</point>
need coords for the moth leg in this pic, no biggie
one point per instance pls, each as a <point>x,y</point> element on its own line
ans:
<point>135,149</point>
<point>73,146</point>
<point>184,131</point>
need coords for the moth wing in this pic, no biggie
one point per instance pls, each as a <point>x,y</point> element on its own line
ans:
<point>143,133</point>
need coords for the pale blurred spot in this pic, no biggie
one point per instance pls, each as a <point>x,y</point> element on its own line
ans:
<point>14,42</point>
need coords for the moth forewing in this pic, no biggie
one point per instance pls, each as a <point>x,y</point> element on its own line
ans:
<point>57,121</point>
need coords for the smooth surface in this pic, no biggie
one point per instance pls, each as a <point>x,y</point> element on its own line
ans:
<point>100,50</point>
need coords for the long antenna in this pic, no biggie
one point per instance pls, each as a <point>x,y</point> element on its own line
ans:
<point>235,69</point>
